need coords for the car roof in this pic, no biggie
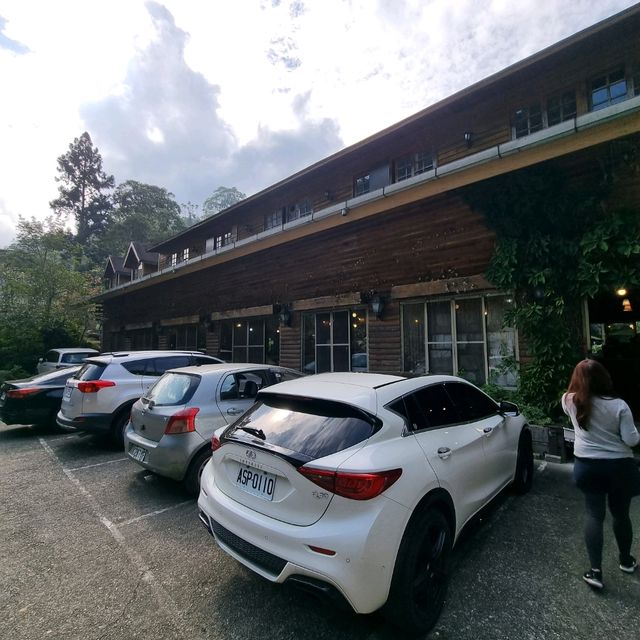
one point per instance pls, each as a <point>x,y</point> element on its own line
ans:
<point>75,350</point>
<point>106,358</point>
<point>364,390</point>
<point>223,367</point>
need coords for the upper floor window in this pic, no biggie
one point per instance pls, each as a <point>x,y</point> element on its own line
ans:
<point>185,255</point>
<point>413,165</point>
<point>527,120</point>
<point>299,210</point>
<point>607,89</point>
<point>561,107</point>
<point>362,185</point>
<point>272,220</point>
<point>174,259</point>
<point>227,238</point>
<point>210,244</point>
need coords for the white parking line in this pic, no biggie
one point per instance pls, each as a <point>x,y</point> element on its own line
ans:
<point>167,605</point>
<point>542,466</point>
<point>154,513</point>
<point>97,464</point>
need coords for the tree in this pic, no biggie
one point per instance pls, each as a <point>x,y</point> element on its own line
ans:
<point>43,296</point>
<point>82,188</point>
<point>222,198</point>
<point>143,213</point>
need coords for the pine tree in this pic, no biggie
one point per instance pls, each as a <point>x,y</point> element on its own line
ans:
<point>82,188</point>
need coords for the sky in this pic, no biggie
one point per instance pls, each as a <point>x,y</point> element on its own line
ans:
<point>190,95</point>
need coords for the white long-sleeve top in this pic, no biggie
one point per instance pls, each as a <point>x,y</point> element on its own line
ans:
<point>610,431</point>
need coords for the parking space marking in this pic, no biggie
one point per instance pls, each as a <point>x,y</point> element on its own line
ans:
<point>97,464</point>
<point>166,604</point>
<point>542,466</point>
<point>154,513</point>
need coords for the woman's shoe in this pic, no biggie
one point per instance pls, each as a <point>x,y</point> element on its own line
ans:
<point>629,566</point>
<point>593,578</point>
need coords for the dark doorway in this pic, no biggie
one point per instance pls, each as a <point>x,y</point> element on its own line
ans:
<point>614,323</point>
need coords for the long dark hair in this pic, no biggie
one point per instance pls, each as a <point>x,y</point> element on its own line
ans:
<point>589,379</point>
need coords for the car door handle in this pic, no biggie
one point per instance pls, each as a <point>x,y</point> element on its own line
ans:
<point>487,431</point>
<point>234,412</point>
<point>444,452</point>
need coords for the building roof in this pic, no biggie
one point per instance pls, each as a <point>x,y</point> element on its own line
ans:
<point>136,253</point>
<point>488,83</point>
<point>115,265</point>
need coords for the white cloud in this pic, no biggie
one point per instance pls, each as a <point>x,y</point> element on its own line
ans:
<point>189,95</point>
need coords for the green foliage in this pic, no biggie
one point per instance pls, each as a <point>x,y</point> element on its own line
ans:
<point>43,294</point>
<point>222,198</point>
<point>141,213</point>
<point>556,244</point>
<point>15,373</point>
<point>82,186</point>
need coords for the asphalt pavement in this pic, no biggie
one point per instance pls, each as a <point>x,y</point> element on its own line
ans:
<point>94,547</point>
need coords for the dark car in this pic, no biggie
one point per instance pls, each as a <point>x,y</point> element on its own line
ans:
<point>34,400</point>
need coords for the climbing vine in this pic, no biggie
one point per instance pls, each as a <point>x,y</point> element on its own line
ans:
<point>557,243</point>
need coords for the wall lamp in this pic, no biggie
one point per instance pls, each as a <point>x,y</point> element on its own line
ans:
<point>468,138</point>
<point>284,316</point>
<point>377,306</point>
<point>344,211</point>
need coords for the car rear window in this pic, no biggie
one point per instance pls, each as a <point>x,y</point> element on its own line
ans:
<point>74,358</point>
<point>173,389</point>
<point>90,371</point>
<point>308,427</point>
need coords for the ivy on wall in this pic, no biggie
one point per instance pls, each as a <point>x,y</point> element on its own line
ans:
<point>557,243</point>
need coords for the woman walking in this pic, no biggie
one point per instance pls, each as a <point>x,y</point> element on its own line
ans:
<point>604,468</point>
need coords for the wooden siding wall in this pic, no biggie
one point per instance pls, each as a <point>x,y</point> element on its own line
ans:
<point>385,353</point>
<point>291,343</point>
<point>442,238</point>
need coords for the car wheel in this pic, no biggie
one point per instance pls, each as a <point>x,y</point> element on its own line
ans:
<point>523,478</point>
<point>118,427</point>
<point>192,478</point>
<point>421,574</point>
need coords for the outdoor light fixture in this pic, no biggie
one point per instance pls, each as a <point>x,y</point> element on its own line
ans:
<point>621,292</point>
<point>344,211</point>
<point>285,316</point>
<point>377,306</point>
<point>468,138</point>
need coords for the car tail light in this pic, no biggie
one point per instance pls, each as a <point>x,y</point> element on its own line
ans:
<point>22,393</point>
<point>94,385</point>
<point>182,422</point>
<point>357,486</point>
<point>215,443</point>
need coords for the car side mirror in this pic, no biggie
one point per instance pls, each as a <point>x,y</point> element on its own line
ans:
<point>509,408</point>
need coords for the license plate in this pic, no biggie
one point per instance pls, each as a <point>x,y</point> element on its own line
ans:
<point>138,453</point>
<point>256,482</point>
<point>67,392</point>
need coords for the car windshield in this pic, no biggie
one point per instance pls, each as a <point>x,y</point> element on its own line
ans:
<point>308,427</point>
<point>173,389</point>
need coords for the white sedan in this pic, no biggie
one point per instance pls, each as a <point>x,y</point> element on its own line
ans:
<point>358,484</point>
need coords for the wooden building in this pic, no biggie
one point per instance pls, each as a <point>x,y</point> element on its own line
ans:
<point>371,259</point>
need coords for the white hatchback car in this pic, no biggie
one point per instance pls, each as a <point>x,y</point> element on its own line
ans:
<point>358,484</point>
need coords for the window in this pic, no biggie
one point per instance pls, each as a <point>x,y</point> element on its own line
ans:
<point>218,242</point>
<point>185,255</point>
<point>273,220</point>
<point>335,341</point>
<point>209,245</point>
<point>227,238</point>
<point>464,337</point>
<point>174,259</point>
<point>243,386</point>
<point>471,404</point>
<point>413,165</point>
<point>52,356</point>
<point>430,407</point>
<point>250,341</point>
<point>561,108</point>
<point>527,120</point>
<point>361,185</point>
<point>608,89</point>
<point>184,337</point>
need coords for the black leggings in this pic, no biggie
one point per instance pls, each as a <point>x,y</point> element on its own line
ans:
<point>600,479</point>
<point>619,508</point>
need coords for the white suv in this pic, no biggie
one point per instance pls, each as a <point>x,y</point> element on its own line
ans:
<point>99,397</point>
<point>358,484</point>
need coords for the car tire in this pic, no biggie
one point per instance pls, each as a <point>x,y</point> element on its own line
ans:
<point>420,577</point>
<point>118,427</point>
<point>523,478</point>
<point>192,478</point>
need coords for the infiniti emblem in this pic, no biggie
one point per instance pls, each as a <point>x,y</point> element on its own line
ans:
<point>250,454</point>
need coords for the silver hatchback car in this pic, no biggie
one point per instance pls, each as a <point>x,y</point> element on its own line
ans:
<point>171,426</point>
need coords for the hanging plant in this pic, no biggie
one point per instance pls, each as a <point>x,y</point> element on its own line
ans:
<point>556,244</point>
